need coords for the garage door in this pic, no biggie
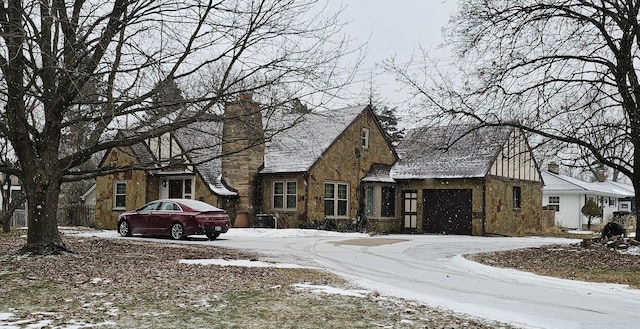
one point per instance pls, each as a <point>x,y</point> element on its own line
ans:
<point>447,211</point>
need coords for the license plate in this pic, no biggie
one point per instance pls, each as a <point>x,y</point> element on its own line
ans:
<point>218,228</point>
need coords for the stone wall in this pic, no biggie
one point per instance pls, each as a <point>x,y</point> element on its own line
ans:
<point>106,215</point>
<point>499,216</point>
<point>502,218</point>
<point>243,150</point>
<point>347,161</point>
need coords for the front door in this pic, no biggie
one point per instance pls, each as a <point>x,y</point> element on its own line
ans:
<point>175,188</point>
<point>447,211</point>
<point>410,210</point>
<point>180,188</point>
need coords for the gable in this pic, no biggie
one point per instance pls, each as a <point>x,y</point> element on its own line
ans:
<point>198,146</point>
<point>118,157</point>
<point>299,141</point>
<point>515,159</point>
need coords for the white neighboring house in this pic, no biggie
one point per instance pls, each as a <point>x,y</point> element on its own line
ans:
<point>18,219</point>
<point>89,197</point>
<point>568,195</point>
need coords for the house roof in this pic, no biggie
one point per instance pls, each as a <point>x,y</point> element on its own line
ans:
<point>297,147</point>
<point>380,173</point>
<point>449,151</point>
<point>565,184</point>
<point>298,142</point>
<point>202,143</point>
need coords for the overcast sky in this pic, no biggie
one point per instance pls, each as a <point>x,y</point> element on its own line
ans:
<point>394,28</point>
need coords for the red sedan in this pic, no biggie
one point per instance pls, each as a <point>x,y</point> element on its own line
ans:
<point>176,218</point>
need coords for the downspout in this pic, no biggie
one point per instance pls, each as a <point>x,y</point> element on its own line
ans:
<point>305,210</point>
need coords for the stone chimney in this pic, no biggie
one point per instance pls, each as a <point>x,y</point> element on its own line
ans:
<point>601,175</point>
<point>554,168</point>
<point>243,152</point>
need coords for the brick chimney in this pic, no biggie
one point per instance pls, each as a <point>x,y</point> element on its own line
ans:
<point>601,175</point>
<point>243,151</point>
<point>554,168</point>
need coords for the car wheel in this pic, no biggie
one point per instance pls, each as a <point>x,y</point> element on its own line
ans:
<point>213,236</point>
<point>124,228</point>
<point>177,231</point>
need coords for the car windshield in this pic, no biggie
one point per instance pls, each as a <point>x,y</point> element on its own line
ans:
<point>199,205</point>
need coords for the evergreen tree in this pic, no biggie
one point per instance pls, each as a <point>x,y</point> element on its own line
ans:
<point>591,210</point>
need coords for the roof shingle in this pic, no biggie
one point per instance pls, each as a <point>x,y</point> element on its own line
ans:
<point>448,152</point>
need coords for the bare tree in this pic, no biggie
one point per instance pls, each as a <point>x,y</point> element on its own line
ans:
<point>79,70</point>
<point>562,70</point>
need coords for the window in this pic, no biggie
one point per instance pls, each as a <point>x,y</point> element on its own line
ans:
<point>170,206</point>
<point>187,189</point>
<point>119,195</point>
<point>151,206</point>
<point>388,206</point>
<point>554,203</point>
<point>336,199</point>
<point>612,202</point>
<point>364,137</point>
<point>17,194</point>
<point>285,195</point>
<point>369,203</point>
<point>516,197</point>
<point>380,201</point>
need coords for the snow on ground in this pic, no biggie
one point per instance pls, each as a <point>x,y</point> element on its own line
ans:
<point>239,263</point>
<point>633,250</point>
<point>7,321</point>
<point>583,232</point>
<point>232,233</point>
<point>331,290</point>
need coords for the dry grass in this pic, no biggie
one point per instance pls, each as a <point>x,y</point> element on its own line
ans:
<point>597,263</point>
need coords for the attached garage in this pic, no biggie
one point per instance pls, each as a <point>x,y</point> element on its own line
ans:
<point>447,211</point>
<point>468,180</point>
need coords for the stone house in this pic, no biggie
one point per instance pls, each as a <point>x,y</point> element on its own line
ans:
<point>313,170</point>
<point>336,165</point>
<point>251,164</point>
<point>455,180</point>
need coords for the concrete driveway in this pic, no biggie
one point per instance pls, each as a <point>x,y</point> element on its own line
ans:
<point>429,269</point>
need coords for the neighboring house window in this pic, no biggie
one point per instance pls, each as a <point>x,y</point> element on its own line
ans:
<point>554,203</point>
<point>612,202</point>
<point>364,137</point>
<point>369,203</point>
<point>285,195</point>
<point>516,197</point>
<point>388,206</point>
<point>336,199</point>
<point>17,194</point>
<point>119,195</point>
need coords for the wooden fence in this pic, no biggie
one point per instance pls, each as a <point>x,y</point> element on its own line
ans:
<point>68,215</point>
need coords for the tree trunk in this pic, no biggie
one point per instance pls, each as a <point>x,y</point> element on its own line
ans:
<point>43,236</point>
<point>6,222</point>
<point>636,188</point>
